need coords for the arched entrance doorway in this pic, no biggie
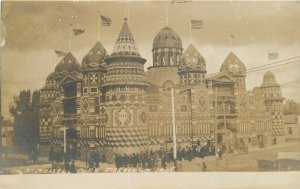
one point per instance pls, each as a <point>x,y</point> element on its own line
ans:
<point>226,134</point>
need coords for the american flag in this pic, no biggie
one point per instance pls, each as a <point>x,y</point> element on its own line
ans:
<point>272,55</point>
<point>105,21</point>
<point>78,31</point>
<point>196,24</point>
<point>60,53</point>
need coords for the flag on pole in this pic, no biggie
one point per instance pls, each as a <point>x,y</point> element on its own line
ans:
<point>196,24</point>
<point>78,31</point>
<point>60,53</point>
<point>105,21</point>
<point>272,55</point>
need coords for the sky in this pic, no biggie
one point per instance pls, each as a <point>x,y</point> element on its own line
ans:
<point>31,31</point>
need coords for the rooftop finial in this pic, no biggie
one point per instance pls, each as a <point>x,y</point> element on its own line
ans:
<point>125,19</point>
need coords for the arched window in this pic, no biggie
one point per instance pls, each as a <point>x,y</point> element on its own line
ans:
<point>114,98</point>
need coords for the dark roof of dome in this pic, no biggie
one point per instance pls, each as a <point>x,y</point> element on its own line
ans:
<point>125,44</point>
<point>269,80</point>
<point>55,76</point>
<point>192,59</point>
<point>68,64</point>
<point>233,64</point>
<point>95,57</point>
<point>167,37</point>
<point>51,76</point>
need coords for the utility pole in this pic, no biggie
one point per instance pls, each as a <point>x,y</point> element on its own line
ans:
<point>1,148</point>
<point>191,112</point>
<point>174,129</point>
<point>225,127</point>
<point>216,124</point>
<point>52,148</point>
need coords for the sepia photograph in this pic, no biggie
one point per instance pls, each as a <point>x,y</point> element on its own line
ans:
<point>149,87</point>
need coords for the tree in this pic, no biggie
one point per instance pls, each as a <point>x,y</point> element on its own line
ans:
<point>291,107</point>
<point>24,109</point>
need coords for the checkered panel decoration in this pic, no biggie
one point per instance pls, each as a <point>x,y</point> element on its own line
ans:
<point>58,142</point>
<point>45,121</point>
<point>278,130</point>
<point>153,141</point>
<point>93,143</point>
<point>277,115</point>
<point>196,138</point>
<point>45,124</point>
<point>126,137</point>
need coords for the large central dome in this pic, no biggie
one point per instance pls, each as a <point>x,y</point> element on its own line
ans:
<point>167,38</point>
<point>269,80</point>
<point>167,48</point>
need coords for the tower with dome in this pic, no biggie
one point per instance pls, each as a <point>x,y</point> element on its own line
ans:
<point>273,99</point>
<point>110,104</point>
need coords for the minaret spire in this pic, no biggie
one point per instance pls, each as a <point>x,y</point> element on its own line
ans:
<point>125,44</point>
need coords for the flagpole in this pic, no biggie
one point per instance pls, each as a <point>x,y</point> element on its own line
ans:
<point>70,36</point>
<point>98,34</point>
<point>231,38</point>
<point>128,9</point>
<point>190,28</point>
<point>167,19</point>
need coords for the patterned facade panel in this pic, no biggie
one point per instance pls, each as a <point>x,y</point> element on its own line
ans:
<point>142,117</point>
<point>123,117</point>
<point>202,101</point>
<point>126,137</point>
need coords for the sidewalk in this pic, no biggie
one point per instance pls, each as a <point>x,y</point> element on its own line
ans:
<point>257,149</point>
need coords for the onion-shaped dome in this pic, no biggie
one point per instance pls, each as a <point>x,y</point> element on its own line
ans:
<point>167,38</point>
<point>54,77</point>
<point>192,60</point>
<point>233,65</point>
<point>52,80</point>
<point>51,76</point>
<point>269,80</point>
<point>68,64</point>
<point>94,60</point>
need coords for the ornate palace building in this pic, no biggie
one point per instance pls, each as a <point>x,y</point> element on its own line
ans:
<point>110,103</point>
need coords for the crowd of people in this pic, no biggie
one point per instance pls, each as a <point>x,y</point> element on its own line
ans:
<point>152,158</point>
<point>94,161</point>
<point>148,159</point>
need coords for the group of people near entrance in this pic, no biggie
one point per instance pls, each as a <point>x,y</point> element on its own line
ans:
<point>94,161</point>
<point>150,159</point>
<point>145,159</point>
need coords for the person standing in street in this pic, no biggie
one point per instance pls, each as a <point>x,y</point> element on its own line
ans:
<point>72,167</point>
<point>204,167</point>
